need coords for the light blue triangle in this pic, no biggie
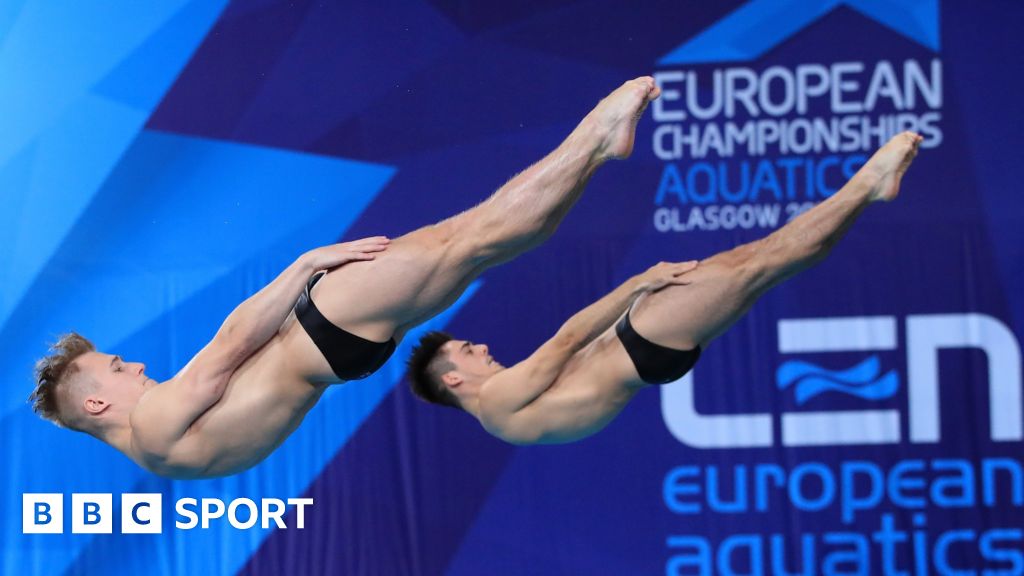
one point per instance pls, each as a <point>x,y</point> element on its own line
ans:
<point>53,55</point>
<point>760,25</point>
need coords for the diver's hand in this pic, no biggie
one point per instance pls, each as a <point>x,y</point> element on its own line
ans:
<point>665,274</point>
<point>336,255</point>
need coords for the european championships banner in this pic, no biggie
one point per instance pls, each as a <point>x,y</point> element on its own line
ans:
<point>161,161</point>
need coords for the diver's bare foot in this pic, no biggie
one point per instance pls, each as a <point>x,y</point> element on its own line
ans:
<point>887,166</point>
<point>614,118</point>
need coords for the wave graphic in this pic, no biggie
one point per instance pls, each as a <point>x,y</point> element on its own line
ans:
<point>862,380</point>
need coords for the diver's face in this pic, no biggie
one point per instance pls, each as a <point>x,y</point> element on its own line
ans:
<point>117,382</point>
<point>470,358</point>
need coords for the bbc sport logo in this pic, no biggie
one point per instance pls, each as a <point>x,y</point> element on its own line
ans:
<point>43,513</point>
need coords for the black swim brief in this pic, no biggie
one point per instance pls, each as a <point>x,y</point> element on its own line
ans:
<point>655,363</point>
<point>351,357</point>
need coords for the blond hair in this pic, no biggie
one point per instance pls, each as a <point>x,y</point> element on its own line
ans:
<point>53,373</point>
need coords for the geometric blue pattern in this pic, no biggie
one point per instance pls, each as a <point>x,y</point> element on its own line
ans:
<point>760,25</point>
<point>66,123</point>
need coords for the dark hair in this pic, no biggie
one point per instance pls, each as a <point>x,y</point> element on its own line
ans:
<point>425,368</point>
<point>53,373</point>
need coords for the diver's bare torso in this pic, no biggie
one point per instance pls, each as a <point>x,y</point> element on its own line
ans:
<point>590,391</point>
<point>265,400</point>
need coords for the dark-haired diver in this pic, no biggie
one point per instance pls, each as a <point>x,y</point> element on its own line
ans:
<point>649,330</point>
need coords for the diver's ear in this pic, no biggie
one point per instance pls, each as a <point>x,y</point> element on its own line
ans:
<point>95,406</point>
<point>451,379</point>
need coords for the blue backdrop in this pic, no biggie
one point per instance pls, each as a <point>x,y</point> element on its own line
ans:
<point>160,161</point>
